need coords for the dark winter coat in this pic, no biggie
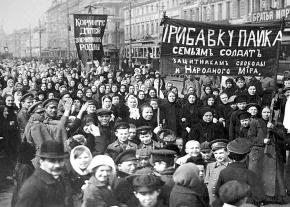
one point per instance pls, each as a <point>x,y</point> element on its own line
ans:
<point>98,194</point>
<point>42,190</point>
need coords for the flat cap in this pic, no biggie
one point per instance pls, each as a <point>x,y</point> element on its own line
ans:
<point>233,191</point>
<point>241,99</point>
<point>163,155</point>
<point>121,125</point>
<point>51,101</point>
<point>244,115</point>
<point>249,105</point>
<point>92,102</point>
<point>239,146</point>
<point>144,129</point>
<point>26,96</point>
<point>145,183</point>
<point>64,93</point>
<point>218,144</point>
<point>36,108</point>
<point>101,112</point>
<point>204,147</point>
<point>127,155</point>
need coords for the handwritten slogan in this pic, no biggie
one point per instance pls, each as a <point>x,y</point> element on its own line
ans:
<point>202,48</point>
<point>89,30</point>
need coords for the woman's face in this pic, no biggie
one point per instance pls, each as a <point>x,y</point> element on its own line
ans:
<point>154,104</point>
<point>102,89</point>
<point>107,103</point>
<point>207,90</point>
<point>89,93</point>
<point>253,110</point>
<point>86,82</point>
<point>114,88</point>
<point>171,97</point>
<point>252,90</point>
<point>43,87</point>
<point>141,95</point>
<point>241,83</point>
<point>207,117</point>
<point>123,89</point>
<point>94,89</point>
<point>50,95</point>
<point>80,94</point>
<point>83,160</point>
<point>229,85</point>
<point>9,101</point>
<point>49,85</point>
<point>103,173</point>
<point>152,93</point>
<point>224,98</point>
<point>5,113</point>
<point>132,103</point>
<point>191,99</point>
<point>266,113</point>
<point>147,113</point>
<point>80,86</point>
<point>210,101</point>
<point>131,89</point>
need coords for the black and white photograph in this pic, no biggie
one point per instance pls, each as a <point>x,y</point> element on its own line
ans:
<point>144,103</point>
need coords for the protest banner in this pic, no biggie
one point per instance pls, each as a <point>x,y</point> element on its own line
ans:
<point>89,30</point>
<point>214,49</point>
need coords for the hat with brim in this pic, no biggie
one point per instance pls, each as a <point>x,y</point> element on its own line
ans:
<point>51,101</point>
<point>145,183</point>
<point>125,156</point>
<point>52,150</point>
<point>36,108</point>
<point>249,105</point>
<point>26,96</point>
<point>166,135</point>
<point>218,144</point>
<point>101,112</point>
<point>239,146</point>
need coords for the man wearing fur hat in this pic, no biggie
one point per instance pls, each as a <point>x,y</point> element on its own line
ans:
<point>46,186</point>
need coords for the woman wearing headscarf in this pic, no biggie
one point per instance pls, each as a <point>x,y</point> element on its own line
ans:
<point>98,190</point>
<point>80,158</point>
<point>189,189</point>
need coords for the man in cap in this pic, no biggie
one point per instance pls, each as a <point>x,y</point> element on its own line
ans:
<point>234,193</point>
<point>50,106</point>
<point>122,143</point>
<point>206,152</point>
<point>145,135</point>
<point>126,163</point>
<point>147,189</point>
<point>143,156</point>
<point>234,121</point>
<point>241,86</point>
<point>162,161</point>
<point>23,116</point>
<point>237,170</point>
<point>219,149</point>
<point>244,118</point>
<point>46,186</point>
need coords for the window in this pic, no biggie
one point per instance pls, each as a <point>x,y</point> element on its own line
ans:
<point>185,14</point>
<point>228,10</point>
<point>197,14</point>
<point>238,8</point>
<point>212,13</point>
<point>152,27</point>
<point>220,17</point>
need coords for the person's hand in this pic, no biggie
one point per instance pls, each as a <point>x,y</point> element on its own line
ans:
<point>183,119</point>
<point>84,107</point>
<point>270,125</point>
<point>94,130</point>
<point>187,129</point>
<point>73,108</point>
<point>84,186</point>
<point>221,120</point>
<point>214,120</point>
<point>157,129</point>
<point>266,141</point>
<point>68,105</point>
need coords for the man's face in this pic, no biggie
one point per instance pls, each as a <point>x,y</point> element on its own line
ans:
<point>122,135</point>
<point>201,171</point>
<point>240,83</point>
<point>104,119</point>
<point>115,100</point>
<point>9,101</point>
<point>220,155</point>
<point>206,155</point>
<point>27,103</point>
<point>245,122</point>
<point>103,173</point>
<point>66,97</point>
<point>253,110</point>
<point>145,138</point>
<point>147,199</point>
<point>52,166</point>
<point>91,109</point>
<point>144,161</point>
<point>51,110</point>
<point>77,104</point>
<point>132,133</point>
<point>128,167</point>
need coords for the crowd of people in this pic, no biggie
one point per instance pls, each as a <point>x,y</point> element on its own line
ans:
<point>103,137</point>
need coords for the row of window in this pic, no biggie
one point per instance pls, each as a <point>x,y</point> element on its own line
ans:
<point>141,29</point>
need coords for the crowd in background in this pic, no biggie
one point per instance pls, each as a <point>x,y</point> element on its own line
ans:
<point>134,139</point>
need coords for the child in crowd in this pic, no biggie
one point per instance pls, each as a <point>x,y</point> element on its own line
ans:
<point>145,135</point>
<point>192,149</point>
<point>122,143</point>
